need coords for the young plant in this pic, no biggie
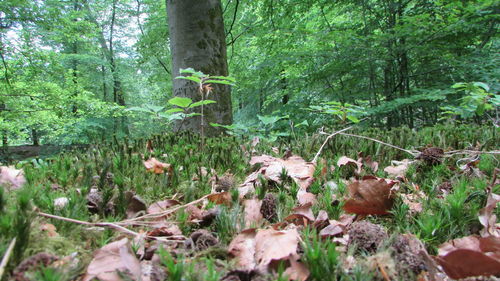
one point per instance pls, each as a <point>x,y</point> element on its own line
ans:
<point>204,82</point>
<point>344,111</point>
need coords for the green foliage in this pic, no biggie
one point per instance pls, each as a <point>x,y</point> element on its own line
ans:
<point>476,102</point>
<point>321,257</point>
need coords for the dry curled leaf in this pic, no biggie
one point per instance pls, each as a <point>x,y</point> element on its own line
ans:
<point>369,197</point>
<point>301,215</point>
<point>242,248</point>
<point>346,161</point>
<point>157,167</point>
<point>11,177</point>
<point>470,256</point>
<point>398,168</point>
<point>162,206</point>
<point>111,259</point>
<point>487,217</point>
<point>253,216</point>
<point>272,169</point>
<point>221,198</point>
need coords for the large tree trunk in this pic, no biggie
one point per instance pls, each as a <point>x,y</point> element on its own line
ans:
<point>197,40</point>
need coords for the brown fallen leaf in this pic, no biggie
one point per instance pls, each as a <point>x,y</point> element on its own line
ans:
<point>221,198</point>
<point>304,197</point>
<point>273,245</point>
<point>346,161</point>
<point>297,270</point>
<point>470,256</point>
<point>398,168</point>
<point>301,215</point>
<point>50,229</point>
<point>112,258</point>
<point>337,227</point>
<point>157,167</point>
<point>135,204</point>
<point>11,178</point>
<point>296,167</point>
<point>369,197</point>
<point>242,248</point>
<point>253,216</point>
<point>165,231</point>
<point>487,217</point>
<point>162,206</point>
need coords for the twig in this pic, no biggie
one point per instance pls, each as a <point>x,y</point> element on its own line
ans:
<point>413,153</point>
<point>164,213</point>
<point>5,259</point>
<point>99,224</point>
<point>112,225</point>
<point>328,138</point>
<point>454,152</point>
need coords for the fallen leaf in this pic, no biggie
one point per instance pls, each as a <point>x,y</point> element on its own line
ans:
<point>171,230</point>
<point>487,217</point>
<point>345,161</point>
<point>331,231</point>
<point>221,198</point>
<point>135,204</point>
<point>304,197</point>
<point>296,167</point>
<point>253,216</point>
<point>470,256</point>
<point>297,270</point>
<point>11,178</point>
<point>273,245</point>
<point>301,215</point>
<point>242,248</point>
<point>162,206</point>
<point>398,168</point>
<point>50,229</point>
<point>369,197</point>
<point>112,258</point>
<point>157,167</point>
<point>321,220</point>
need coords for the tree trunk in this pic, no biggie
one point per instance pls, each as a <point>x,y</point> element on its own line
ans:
<point>197,41</point>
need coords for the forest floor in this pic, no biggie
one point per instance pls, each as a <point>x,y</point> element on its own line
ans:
<point>362,205</point>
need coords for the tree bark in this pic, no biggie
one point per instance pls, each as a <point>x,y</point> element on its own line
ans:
<point>197,40</point>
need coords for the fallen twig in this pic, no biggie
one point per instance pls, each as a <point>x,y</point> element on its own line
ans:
<point>164,213</point>
<point>413,153</point>
<point>110,225</point>
<point>6,257</point>
<point>315,159</point>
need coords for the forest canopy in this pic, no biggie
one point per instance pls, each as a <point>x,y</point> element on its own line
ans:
<point>78,71</point>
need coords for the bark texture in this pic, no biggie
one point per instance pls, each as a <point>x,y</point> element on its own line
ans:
<point>197,40</point>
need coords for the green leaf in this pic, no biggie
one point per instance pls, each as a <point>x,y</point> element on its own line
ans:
<point>482,85</point>
<point>174,110</point>
<point>180,101</point>
<point>228,78</point>
<point>204,102</point>
<point>138,109</point>
<point>353,119</point>
<point>218,82</point>
<point>192,78</point>
<point>154,108</point>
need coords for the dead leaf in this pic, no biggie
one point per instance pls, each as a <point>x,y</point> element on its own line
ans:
<point>221,198</point>
<point>50,229</point>
<point>11,178</point>
<point>487,217</point>
<point>297,270</point>
<point>162,206</point>
<point>272,245</point>
<point>331,231</point>
<point>321,220</point>
<point>398,168</point>
<point>470,256</point>
<point>242,248</point>
<point>368,162</point>
<point>304,197</point>
<point>369,197</point>
<point>345,161</point>
<point>171,230</point>
<point>135,204</point>
<point>296,167</point>
<point>157,167</point>
<point>110,259</point>
<point>253,216</point>
<point>301,215</point>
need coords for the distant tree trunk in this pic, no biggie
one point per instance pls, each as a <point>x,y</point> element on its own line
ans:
<point>34,137</point>
<point>197,40</point>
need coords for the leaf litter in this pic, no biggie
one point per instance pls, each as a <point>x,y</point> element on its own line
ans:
<point>261,248</point>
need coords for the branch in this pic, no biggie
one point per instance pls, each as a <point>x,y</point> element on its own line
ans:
<point>413,153</point>
<point>327,139</point>
<point>5,259</point>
